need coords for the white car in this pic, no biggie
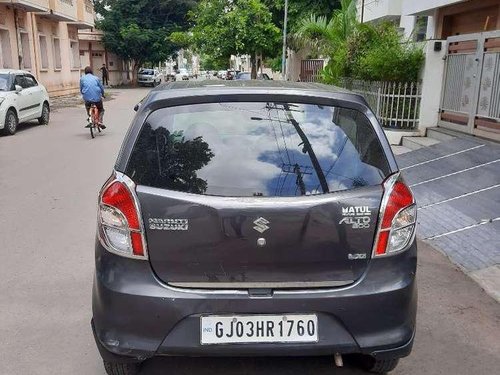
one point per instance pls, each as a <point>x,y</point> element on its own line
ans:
<point>151,77</point>
<point>182,75</point>
<point>22,99</point>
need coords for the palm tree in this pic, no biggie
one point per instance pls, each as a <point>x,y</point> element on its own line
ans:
<point>328,34</point>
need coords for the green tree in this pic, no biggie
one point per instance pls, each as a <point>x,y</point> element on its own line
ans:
<point>208,62</point>
<point>139,30</point>
<point>388,57</point>
<point>226,27</point>
<point>360,51</point>
<point>181,38</point>
<point>329,34</point>
<point>298,10</point>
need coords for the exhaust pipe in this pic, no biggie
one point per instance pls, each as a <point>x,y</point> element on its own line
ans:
<point>338,360</point>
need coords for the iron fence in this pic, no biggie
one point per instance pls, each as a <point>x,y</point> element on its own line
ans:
<point>396,104</point>
<point>310,70</point>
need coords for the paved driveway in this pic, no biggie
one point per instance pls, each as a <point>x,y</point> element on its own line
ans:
<point>457,185</point>
<point>49,180</point>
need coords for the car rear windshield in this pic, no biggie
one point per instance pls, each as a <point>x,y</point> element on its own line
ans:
<point>146,72</point>
<point>257,149</point>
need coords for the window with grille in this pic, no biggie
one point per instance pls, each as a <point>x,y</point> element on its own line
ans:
<point>26,53</point>
<point>44,56</point>
<point>57,53</point>
<point>75,55</point>
<point>6,52</point>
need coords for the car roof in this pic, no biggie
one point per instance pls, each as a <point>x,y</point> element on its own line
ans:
<point>13,71</point>
<point>182,89</point>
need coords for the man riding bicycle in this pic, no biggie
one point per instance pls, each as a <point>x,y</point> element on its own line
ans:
<point>93,93</point>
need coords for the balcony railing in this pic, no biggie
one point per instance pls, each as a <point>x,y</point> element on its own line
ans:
<point>64,9</point>
<point>29,5</point>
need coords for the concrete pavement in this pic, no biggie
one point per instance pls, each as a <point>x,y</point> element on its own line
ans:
<point>49,180</point>
<point>456,181</point>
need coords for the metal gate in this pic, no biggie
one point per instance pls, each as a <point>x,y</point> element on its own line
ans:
<point>471,94</point>
<point>310,70</point>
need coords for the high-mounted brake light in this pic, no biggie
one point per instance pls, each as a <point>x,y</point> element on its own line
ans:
<point>120,226</point>
<point>397,219</point>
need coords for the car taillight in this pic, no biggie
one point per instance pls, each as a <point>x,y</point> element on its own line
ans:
<point>397,218</point>
<point>120,225</point>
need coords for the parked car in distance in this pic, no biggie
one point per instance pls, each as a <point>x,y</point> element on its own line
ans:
<point>22,99</point>
<point>245,76</point>
<point>147,76</point>
<point>254,219</point>
<point>170,77</point>
<point>182,75</point>
<point>230,74</point>
<point>222,74</point>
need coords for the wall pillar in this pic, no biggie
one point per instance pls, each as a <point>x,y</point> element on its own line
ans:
<point>432,85</point>
<point>407,23</point>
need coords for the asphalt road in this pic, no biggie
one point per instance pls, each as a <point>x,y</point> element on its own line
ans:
<point>49,180</point>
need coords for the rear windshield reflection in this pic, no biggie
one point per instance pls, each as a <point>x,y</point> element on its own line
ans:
<point>257,149</point>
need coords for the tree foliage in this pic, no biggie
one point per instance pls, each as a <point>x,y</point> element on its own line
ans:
<point>181,39</point>
<point>329,33</point>
<point>208,62</point>
<point>360,51</point>
<point>389,58</point>
<point>139,30</point>
<point>375,53</point>
<point>226,27</point>
<point>298,10</point>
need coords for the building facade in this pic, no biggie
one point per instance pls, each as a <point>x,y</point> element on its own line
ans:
<point>94,54</point>
<point>461,76</point>
<point>240,63</point>
<point>41,36</point>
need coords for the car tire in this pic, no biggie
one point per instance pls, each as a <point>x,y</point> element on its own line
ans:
<point>11,122</point>
<point>381,366</point>
<point>44,119</point>
<point>113,368</point>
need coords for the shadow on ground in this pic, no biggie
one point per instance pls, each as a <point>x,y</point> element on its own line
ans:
<point>25,126</point>
<point>247,366</point>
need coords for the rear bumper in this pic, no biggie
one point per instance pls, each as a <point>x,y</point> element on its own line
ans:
<point>136,317</point>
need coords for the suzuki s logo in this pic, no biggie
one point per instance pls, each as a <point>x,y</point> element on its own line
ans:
<point>261,225</point>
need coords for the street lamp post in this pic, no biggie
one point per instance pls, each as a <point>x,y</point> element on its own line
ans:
<point>283,57</point>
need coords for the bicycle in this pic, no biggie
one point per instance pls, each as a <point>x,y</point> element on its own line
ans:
<point>94,120</point>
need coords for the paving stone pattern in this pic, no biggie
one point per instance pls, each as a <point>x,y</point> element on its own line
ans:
<point>470,245</point>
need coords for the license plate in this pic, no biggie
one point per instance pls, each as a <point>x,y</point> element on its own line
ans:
<point>241,329</point>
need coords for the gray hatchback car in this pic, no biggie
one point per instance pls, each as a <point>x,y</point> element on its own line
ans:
<point>255,218</point>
